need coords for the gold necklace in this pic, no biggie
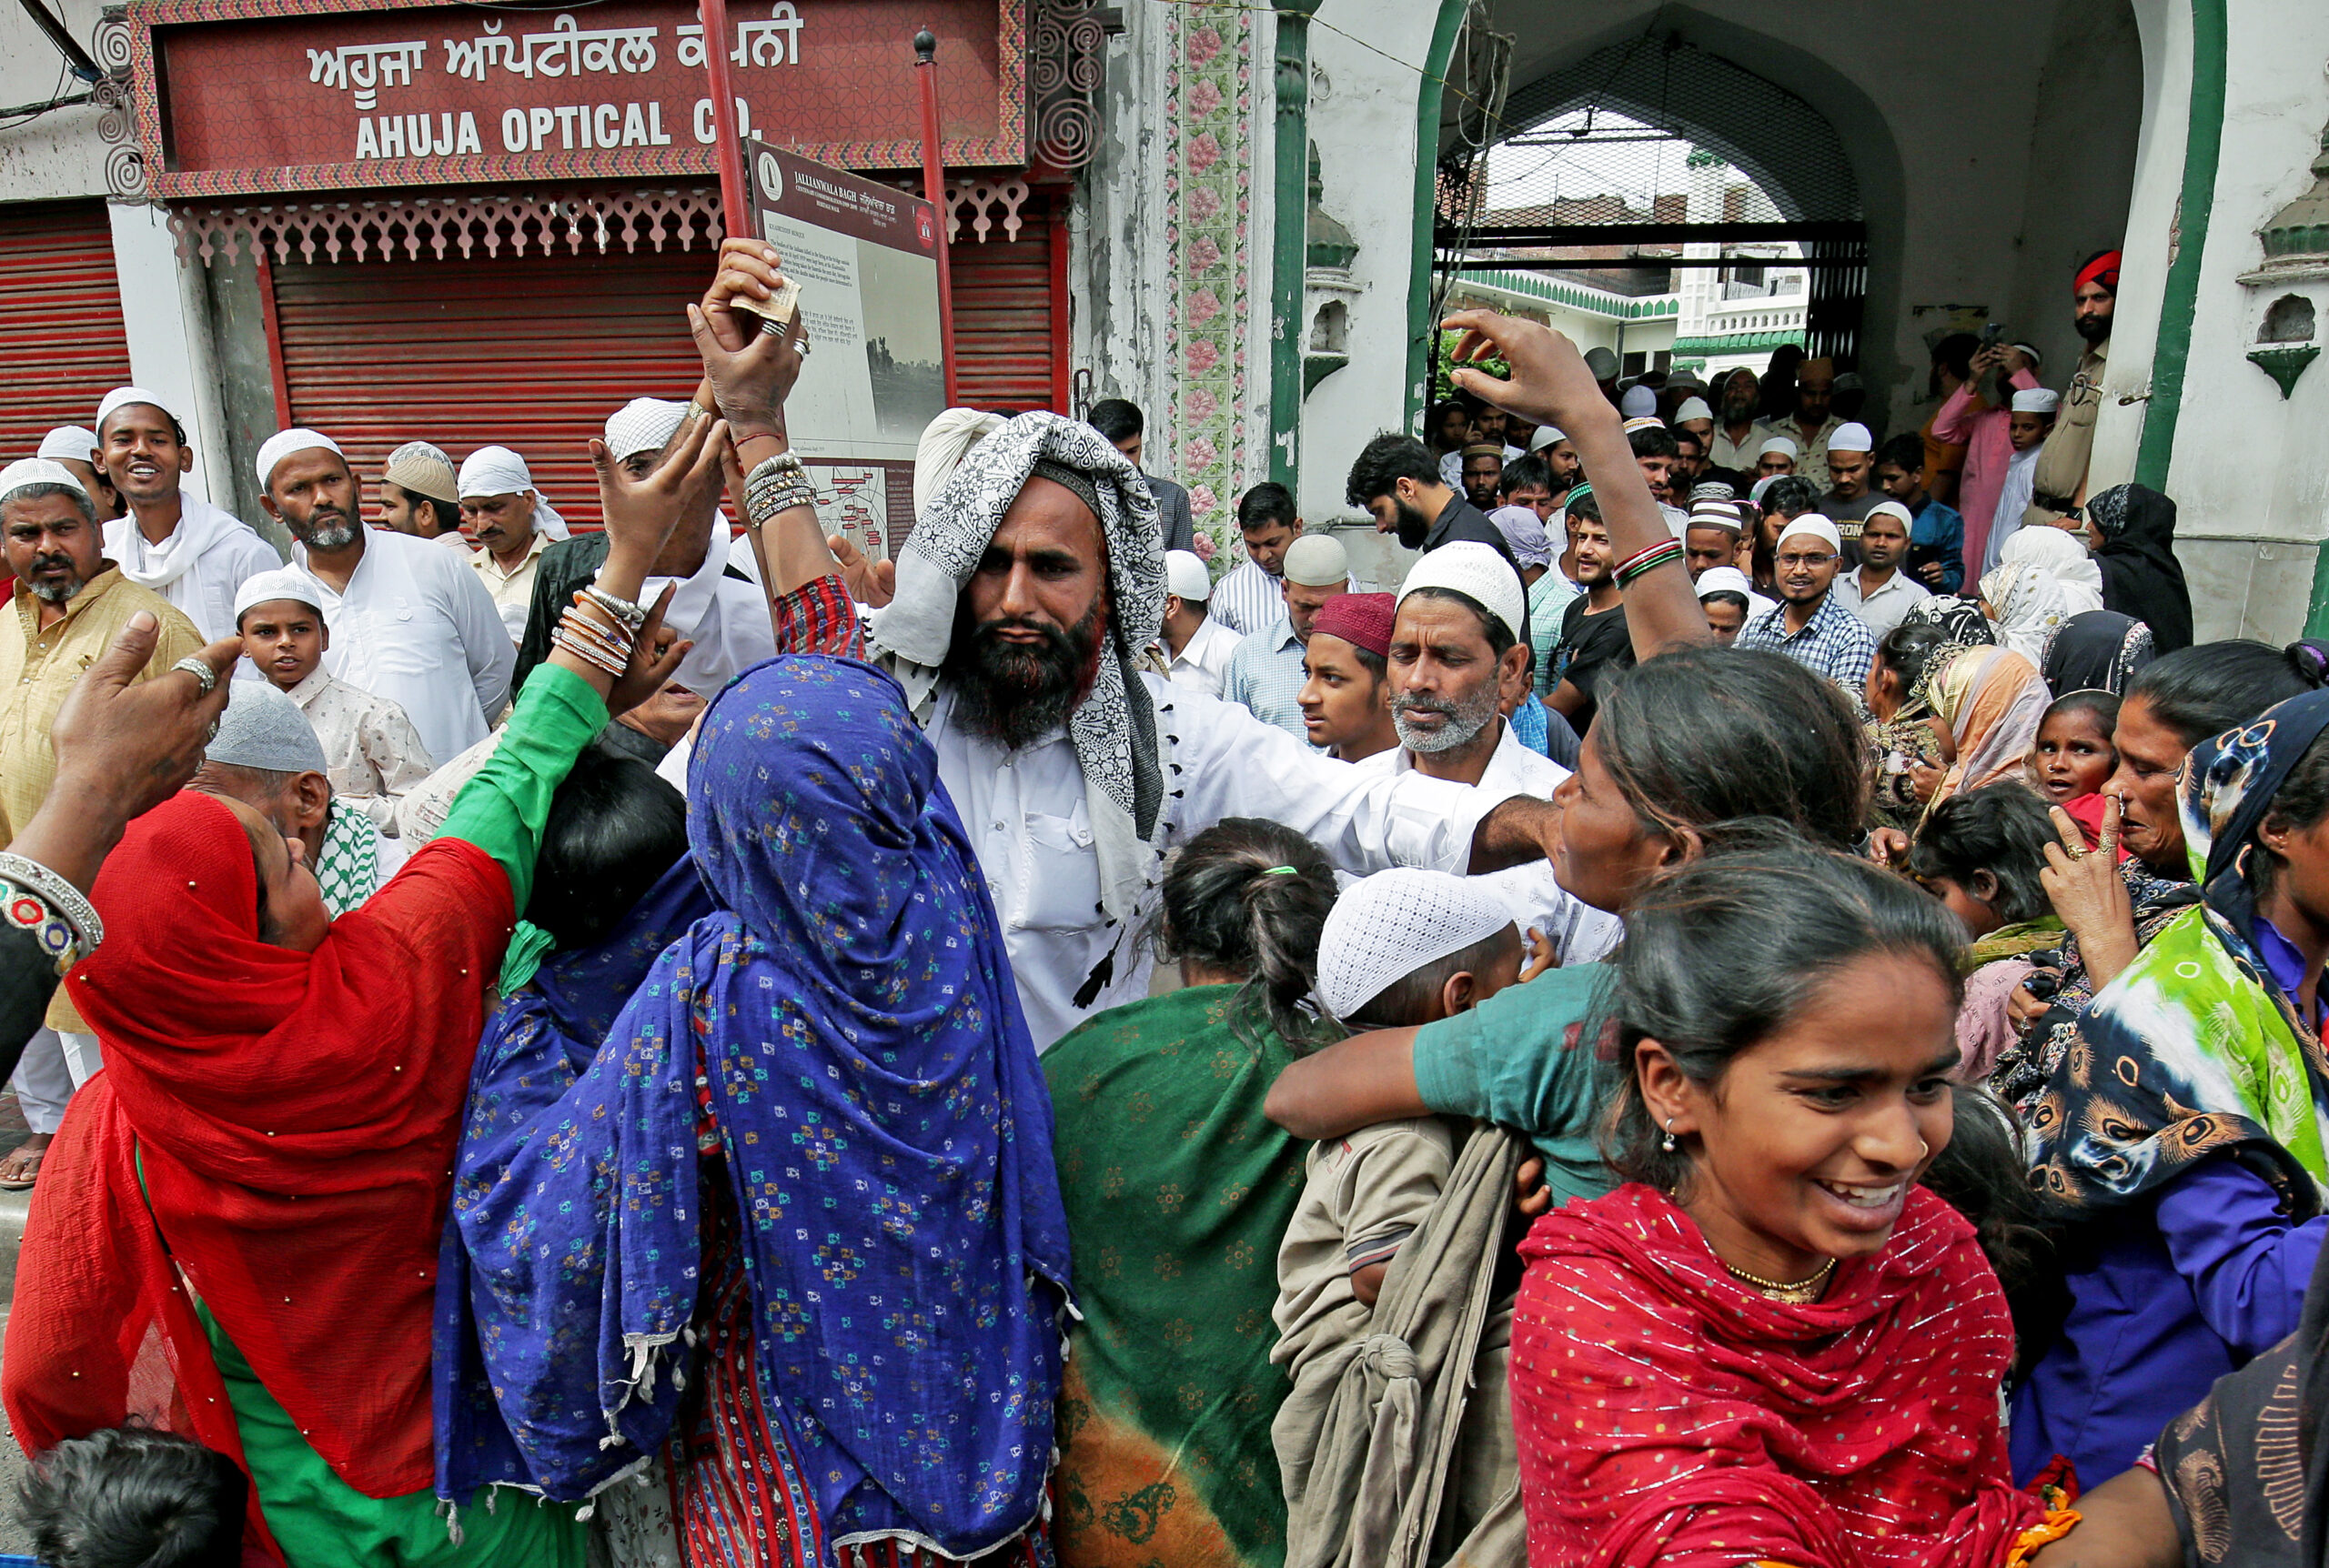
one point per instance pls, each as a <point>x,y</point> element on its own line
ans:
<point>1801,1293</point>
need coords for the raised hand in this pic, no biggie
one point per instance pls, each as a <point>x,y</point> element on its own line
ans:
<point>1550,382</point>
<point>2090,895</point>
<point>871,583</point>
<point>122,747</point>
<point>750,372</point>
<point>655,657</point>
<point>640,513</point>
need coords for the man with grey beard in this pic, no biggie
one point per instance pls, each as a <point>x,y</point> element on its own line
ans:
<point>410,621</point>
<point>70,604</point>
<point>1458,664</point>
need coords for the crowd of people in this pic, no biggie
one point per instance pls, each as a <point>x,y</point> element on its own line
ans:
<point>1760,1005</point>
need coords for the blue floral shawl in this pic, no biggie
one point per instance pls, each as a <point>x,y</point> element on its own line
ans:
<point>885,1138</point>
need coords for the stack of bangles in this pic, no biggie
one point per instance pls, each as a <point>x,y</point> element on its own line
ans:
<point>600,630</point>
<point>777,485</point>
<point>1660,554</point>
<point>35,899</point>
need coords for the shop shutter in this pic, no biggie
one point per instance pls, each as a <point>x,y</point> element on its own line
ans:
<point>1009,319</point>
<point>528,352</point>
<point>60,317</point>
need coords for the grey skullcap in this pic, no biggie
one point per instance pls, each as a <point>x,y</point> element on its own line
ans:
<point>263,728</point>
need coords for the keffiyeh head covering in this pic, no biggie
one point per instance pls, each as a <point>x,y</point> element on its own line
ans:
<point>2195,1051</point>
<point>1114,728</point>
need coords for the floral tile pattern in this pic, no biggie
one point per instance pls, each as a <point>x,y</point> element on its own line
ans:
<point>1208,110</point>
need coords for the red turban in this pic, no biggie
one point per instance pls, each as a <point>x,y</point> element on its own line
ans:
<point>2103,270</point>
<point>1360,619</point>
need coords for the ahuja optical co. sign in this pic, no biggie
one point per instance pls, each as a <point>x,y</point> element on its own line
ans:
<point>255,95</point>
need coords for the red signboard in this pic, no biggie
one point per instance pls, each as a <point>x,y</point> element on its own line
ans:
<point>252,96</point>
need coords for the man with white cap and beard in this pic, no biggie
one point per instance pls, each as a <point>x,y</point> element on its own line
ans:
<point>1851,486</point>
<point>75,448</point>
<point>1265,671</point>
<point>713,604</point>
<point>1458,658</point>
<point>1024,597</point>
<point>1813,625</point>
<point>193,554</point>
<point>1196,646</point>
<point>409,620</point>
<point>2029,422</point>
<point>510,524</point>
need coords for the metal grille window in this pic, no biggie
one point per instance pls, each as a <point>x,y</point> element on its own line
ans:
<point>1653,161</point>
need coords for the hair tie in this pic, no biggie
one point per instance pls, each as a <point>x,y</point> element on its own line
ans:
<point>1279,872</point>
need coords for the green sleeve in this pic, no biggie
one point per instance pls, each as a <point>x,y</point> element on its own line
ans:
<point>1526,1059</point>
<point>503,808</point>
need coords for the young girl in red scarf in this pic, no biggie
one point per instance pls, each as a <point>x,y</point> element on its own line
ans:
<point>1773,1345</point>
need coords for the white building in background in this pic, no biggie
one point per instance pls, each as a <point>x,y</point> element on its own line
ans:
<point>1640,329</point>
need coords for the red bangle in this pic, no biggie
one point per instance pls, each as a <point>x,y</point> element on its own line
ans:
<point>1640,561</point>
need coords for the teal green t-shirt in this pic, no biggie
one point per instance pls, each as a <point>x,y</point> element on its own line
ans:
<point>1529,1058</point>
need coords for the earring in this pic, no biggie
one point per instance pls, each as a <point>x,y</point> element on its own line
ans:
<point>1667,1142</point>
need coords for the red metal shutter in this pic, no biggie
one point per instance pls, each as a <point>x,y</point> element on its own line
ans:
<point>60,316</point>
<point>1010,315</point>
<point>528,352</point>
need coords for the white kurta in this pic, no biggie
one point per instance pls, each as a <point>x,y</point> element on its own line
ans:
<point>1026,817</point>
<point>417,626</point>
<point>1200,665</point>
<point>198,567</point>
<point>726,618</point>
<point>1579,932</point>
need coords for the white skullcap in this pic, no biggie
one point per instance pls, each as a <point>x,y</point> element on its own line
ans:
<point>2030,352</point>
<point>1186,576</point>
<point>1638,402</point>
<point>122,397</point>
<point>1725,579</point>
<point>1477,571</point>
<point>1602,363</point>
<point>1780,444</point>
<point>285,582</point>
<point>945,442</point>
<point>70,441</point>
<point>1546,435</point>
<point>283,443</point>
<point>1851,438</point>
<point>1814,524</point>
<point>1386,926</point>
<point>1318,560</point>
<point>498,471</point>
<point>25,472</point>
<point>263,728</point>
<point>643,425</point>
<point>2036,400</point>
<point>1891,509</point>
<point>1694,409</point>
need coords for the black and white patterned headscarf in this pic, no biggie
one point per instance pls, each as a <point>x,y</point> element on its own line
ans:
<point>1114,729</point>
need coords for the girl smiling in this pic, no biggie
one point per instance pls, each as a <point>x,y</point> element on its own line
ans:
<point>1772,1344</point>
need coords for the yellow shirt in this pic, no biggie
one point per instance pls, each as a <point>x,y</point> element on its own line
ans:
<point>512,591</point>
<point>38,668</point>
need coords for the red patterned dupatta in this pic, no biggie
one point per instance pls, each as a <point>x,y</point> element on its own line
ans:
<point>1669,1415</point>
<point>294,1115</point>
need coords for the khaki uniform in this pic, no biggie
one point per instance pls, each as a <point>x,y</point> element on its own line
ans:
<point>2062,464</point>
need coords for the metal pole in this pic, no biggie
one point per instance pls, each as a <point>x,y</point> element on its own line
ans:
<point>934,187</point>
<point>734,205</point>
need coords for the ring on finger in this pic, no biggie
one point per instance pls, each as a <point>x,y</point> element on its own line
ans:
<point>203,676</point>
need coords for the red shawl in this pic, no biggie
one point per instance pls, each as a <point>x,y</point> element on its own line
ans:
<point>1667,1413</point>
<point>297,1114</point>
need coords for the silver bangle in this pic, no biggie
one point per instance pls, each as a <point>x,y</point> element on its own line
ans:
<point>631,617</point>
<point>77,913</point>
<point>205,677</point>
